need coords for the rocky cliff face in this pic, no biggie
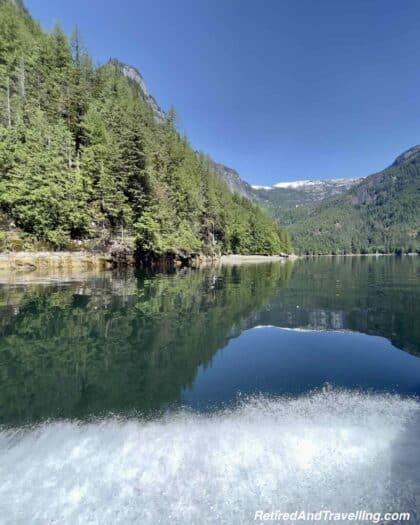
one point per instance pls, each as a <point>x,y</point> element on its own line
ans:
<point>379,185</point>
<point>137,79</point>
<point>229,175</point>
<point>406,157</point>
<point>18,4</point>
<point>234,181</point>
<point>302,191</point>
<point>290,202</point>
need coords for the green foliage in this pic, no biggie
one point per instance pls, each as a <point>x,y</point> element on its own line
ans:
<point>380,214</point>
<point>82,154</point>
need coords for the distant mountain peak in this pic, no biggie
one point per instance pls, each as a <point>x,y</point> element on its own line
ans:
<point>311,185</point>
<point>406,157</point>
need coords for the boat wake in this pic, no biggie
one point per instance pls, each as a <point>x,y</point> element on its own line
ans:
<point>330,450</point>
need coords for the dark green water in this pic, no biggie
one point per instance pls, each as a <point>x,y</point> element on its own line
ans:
<point>135,343</point>
<point>204,396</point>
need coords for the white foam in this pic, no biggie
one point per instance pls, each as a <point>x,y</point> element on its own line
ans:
<point>328,450</point>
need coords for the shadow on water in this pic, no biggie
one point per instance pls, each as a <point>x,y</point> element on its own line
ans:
<point>133,343</point>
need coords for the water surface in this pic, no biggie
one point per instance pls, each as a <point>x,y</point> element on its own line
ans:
<point>205,395</point>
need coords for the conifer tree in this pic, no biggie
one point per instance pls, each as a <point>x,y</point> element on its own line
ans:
<point>83,157</point>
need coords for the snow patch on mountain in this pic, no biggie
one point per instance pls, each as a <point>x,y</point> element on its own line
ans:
<point>311,184</point>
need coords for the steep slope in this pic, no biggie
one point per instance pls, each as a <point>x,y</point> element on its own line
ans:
<point>234,181</point>
<point>87,155</point>
<point>379,214</point>
<point>289,202</point>
<point>228,175</point>
<point>406,157</point>
<point>138,82</point>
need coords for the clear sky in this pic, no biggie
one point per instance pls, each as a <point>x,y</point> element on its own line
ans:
<point>277,89</point>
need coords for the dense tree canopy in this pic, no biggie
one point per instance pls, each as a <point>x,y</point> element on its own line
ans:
<point>380,214</point>
<point>82,157</point>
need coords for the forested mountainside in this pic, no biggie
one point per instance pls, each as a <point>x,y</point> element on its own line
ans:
<point>381,214</point>
<point>86,153</point>
<point>289,202</point>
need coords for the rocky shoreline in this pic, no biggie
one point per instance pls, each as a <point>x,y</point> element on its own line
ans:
<point>123,257</point>
<point>67,261</point>
<point>30,261</point>
<point>249,259</point>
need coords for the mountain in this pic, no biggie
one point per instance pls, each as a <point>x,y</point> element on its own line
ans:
<point>379,213</point>
<point>228,175</point>
<point>234,181</point>
<point>317,189</point>
<point>289,202</point>
<point>137,80</point>
<point>87,157</point>
<point>406,157</point>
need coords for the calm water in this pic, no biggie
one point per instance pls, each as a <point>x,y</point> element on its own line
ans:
<point>205,395</point>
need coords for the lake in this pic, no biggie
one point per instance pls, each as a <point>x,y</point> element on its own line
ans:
<point>204,395</point>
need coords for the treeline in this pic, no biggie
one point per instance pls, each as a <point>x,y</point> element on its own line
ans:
<point>379,215</point>
<point>82,157</point>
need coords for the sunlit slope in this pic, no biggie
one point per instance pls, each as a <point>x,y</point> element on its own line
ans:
<point>380,214</point>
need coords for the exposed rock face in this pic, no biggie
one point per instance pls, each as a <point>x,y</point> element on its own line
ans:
<point>312,190</point>
<point>406,157</point>
<point>53,261</point>
<point>122,254</point>
<point>19,5</point>
<point>229,175</point>
<point>234,181</point>
<point>375,184</point>
<point>290,202</point>
<point>136,78</point>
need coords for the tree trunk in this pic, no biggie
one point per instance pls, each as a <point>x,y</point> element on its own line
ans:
<point>8,110</point>
<point>22,90</point>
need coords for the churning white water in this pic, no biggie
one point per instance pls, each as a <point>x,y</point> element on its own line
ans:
<point>334,450</point>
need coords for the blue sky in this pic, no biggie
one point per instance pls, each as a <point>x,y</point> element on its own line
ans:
<point>277,89</point>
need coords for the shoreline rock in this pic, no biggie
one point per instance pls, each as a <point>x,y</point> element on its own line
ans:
<point>119,256</point>
<point>32,261</point>
<point>253,259</point>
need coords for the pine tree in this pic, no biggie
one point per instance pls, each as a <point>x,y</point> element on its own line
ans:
<point>82,156</point>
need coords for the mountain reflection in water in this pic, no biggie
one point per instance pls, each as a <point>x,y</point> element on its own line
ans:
<point>135,343</point>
